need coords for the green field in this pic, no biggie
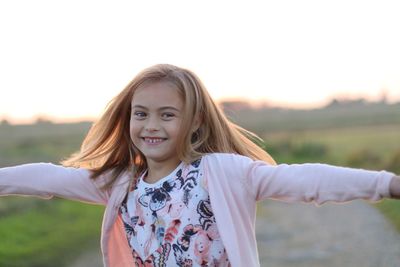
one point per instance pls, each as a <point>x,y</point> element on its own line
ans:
<point>341,145</point>
<point>39,142</point>
<point>36,232</point>
<point>48,234</point>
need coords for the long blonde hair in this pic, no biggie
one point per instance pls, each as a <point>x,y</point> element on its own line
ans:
<point>108,146</point>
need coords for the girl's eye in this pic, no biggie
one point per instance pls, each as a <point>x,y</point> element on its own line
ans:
<point>139,114</point>
<point>167,115</point>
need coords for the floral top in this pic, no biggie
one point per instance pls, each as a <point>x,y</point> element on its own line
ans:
<point>171,222</point>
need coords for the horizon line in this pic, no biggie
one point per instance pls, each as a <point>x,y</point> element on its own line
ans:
<point>45,118</point>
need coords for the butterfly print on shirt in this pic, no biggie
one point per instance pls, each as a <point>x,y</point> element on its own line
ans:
<point>157,259</point>
<point>180,259</point>
<point>206,215</point>
<point>156,198</point>
<point>188,232</point>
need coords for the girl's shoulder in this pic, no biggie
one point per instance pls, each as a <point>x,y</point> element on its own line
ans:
<point>227,157</point>
<point>229,170</point>
<point>228,160</point>
<point>109,183</point>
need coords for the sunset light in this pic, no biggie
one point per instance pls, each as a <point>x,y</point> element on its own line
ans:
<point>66,59</point>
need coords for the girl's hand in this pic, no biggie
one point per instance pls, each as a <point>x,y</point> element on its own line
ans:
<point>395,187</point>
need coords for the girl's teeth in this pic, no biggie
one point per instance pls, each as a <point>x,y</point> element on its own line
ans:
<point>153,141</point>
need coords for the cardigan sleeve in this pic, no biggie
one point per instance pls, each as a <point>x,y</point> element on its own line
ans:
<point>46,180</point>
<point>311,182</point>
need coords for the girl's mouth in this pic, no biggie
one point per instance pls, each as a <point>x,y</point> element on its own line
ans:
<point>153,140</point>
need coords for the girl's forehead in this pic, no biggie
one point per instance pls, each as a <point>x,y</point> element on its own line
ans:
<point>157,92</point>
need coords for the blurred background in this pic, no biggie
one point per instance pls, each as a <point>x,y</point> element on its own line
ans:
<point>317,80</point>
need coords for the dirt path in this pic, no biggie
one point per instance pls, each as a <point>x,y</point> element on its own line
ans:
<point>299,235</point>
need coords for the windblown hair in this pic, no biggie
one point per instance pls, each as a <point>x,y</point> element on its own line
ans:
<point>108,145</point>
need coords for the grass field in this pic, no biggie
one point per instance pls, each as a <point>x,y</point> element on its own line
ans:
<point>35,232</point>
<point>39,142</point>
<point>52,235</point>
<point>341,143</point>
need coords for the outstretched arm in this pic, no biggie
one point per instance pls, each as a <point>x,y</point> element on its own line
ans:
<point>395,187</point>
<point>47,180</point>
<point>318,183</point>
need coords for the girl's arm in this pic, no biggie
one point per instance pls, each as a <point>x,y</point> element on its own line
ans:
<point>46,180</point>
<point>308,182</point>
<point>319,183</point>
<point>395,187</point>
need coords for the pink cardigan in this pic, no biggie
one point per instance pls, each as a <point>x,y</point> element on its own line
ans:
<point>235,184</point>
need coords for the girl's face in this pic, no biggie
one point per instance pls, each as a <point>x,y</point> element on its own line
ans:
<point>155,122</point>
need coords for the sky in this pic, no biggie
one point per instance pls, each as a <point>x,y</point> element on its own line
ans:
<point>65,60</point>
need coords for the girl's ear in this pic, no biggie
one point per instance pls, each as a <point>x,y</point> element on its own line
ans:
<point>197,120</point>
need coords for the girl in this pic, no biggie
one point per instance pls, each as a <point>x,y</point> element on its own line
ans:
<point>180,182</point>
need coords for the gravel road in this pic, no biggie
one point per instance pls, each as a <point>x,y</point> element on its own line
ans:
<point>301,235</point>
<point>351,234</point>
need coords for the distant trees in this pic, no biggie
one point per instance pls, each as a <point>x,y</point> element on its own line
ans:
<point>43,120</point>
<point>4,122</point>
<point>38,120</point>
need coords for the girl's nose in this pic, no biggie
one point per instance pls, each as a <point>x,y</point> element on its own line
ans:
<point>151,129</point>
<point>152,125</point>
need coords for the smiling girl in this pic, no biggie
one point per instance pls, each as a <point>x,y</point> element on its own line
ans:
<point>180,182</point>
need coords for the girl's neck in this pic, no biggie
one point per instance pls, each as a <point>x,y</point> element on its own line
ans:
<point>157,171</point>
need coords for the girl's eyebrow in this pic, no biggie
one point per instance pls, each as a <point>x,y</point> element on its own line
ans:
<point>161,108</point>
<point>139,106</point>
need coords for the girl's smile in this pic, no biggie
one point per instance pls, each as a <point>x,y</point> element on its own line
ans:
<point>153,140</point>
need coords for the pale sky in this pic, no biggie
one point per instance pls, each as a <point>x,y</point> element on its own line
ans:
<point>67,59</point>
